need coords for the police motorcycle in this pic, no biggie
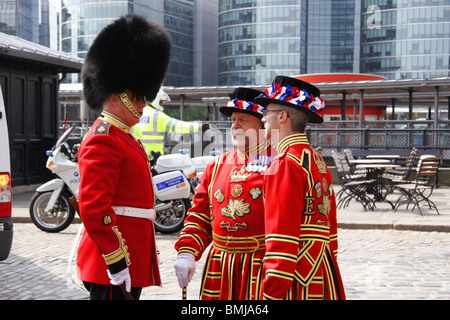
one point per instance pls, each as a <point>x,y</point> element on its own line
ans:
<point>174,181</point>
<point>50,207</point>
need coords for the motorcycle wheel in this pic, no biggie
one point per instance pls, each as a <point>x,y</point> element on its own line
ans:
<point>58,219</point>
<point>171,219</point>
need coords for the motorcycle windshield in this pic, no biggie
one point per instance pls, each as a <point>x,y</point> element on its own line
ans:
<point>64,137</point>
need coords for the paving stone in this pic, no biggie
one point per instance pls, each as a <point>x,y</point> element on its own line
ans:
<point>375,265</point>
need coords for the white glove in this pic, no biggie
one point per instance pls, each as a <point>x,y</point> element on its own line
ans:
<point>122,276</point>
<point>184,268</point>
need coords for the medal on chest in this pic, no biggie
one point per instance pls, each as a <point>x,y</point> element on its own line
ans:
<point>258,163</point>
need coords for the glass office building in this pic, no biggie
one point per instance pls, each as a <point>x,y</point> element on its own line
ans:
<point>20,18</point>
<point>246,42</point>
<point>259,39</point>
<point>82,20</point>
<point>396,39</point>
<point>333,36</point>
<point>179,21</point>
<point>406,39</point>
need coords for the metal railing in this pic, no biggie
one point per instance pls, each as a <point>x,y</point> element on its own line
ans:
<point>393,136</point>
<point>387,136</point>
<point>376,138</point>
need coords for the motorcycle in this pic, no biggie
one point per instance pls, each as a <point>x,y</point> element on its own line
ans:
<point>174,182</point>
<point>50,207</point>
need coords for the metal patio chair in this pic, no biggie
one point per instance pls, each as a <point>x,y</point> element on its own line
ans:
<point>419,191</point>
<point>353,187</point>
<point>348,157</point>
<point>402,175</point>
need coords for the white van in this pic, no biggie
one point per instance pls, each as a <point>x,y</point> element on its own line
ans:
<point>6,225</point>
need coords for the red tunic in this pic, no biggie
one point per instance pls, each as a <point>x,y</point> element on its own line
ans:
<point>234,224</point>
<point>114,171</point>
<point>301,227</point>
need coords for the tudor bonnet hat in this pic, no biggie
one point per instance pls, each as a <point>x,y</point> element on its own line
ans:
<point>242,100</point>
<point>294,93</point>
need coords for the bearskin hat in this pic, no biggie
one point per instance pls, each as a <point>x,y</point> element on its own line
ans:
<point>131,53</point>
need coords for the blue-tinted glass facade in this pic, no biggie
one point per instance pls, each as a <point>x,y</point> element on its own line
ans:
<point>20,18</point>
<point>259,39</point>
<point>406,39</point>
<point>179,21</point>
<point>397,39</point>
<point>82,20</point>
<point>332,39</point>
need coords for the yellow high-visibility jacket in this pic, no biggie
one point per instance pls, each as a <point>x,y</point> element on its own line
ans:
<point>154,124</point>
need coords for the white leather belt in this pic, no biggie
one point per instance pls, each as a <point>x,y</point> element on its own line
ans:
<point>135,212</point>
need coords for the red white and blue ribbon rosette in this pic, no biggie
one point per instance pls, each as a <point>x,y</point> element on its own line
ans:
<point>295,96</point>
<point>245,105</point>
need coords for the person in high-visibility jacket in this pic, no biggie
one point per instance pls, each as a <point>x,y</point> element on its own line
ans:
<point>154,124</point>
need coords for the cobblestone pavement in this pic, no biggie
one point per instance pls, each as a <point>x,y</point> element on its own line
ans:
<point>375,264</point>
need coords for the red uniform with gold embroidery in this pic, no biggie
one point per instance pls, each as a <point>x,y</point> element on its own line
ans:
<point>114,171</point>
<point>301,227</point>
<point>228,210</point>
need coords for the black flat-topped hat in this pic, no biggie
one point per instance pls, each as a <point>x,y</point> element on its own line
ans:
<point>243,100</point>
<point>295,93</point>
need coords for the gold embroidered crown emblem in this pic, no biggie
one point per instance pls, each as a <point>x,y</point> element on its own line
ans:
<point>238,174</point>
<point>320,163</point>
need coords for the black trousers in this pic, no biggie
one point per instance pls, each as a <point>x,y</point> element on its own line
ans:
<point>109,292</point>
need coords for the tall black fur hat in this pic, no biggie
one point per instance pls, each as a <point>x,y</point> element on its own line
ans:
<point>130,53</point>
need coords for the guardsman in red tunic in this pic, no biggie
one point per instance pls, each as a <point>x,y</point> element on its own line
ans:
<point>300,207</point>
<point>124,67</point>
<point>228,210</point>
